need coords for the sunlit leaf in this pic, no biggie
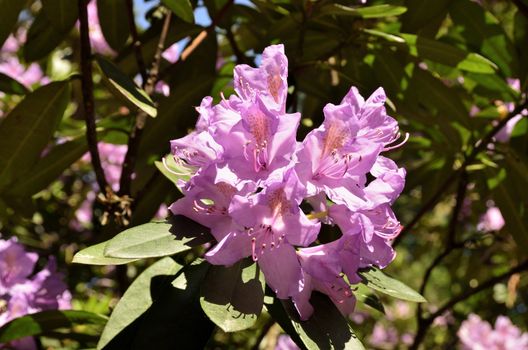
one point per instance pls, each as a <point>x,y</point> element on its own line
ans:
<point>374,278</point>
<point>94,255</point>
<point>46,321</point>
<point>232,297</point>
<point>156,239</point>
<point>125,88</point>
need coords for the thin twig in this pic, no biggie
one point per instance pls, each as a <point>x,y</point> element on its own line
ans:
<point>88,97</point>
<point>135,136</point>
<point>136,43</point>
<point>444,187</point>
<point>424,325</point>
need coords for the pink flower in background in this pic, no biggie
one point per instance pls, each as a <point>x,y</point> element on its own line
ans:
<point>112,158</point>
<point>27,76</point>
<point>383,337</point>
<point>285,342</point>
<point>477,334</point>
<point>97,39</point>
<point>22,293</point>
<point>250,175</point>
<point>504,134</point>
<point>492,220</point>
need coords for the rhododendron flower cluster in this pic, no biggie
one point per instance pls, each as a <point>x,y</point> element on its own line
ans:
<point>250,176</point>
<point>22,292</point>
<point>475,333</point>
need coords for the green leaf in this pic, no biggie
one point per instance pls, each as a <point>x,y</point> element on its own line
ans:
<point>46,321</point>
<point>42,38</point>
<point>181,8</point>
<point>377,280</point>
<point>94,255</point>
<point>10,12</point>
<point>326,328</point>
<point>137,299</point>
<point>28,128</point>
<point>377,11</point>
<point>61,13</point>
<point>114,24</point>
<point>156,239</point>
<point>364,295</point>
<point>49,168</point>
<point>175,320</point>
<point>421,13</point>
<point>232,297</point>
<point>124,88</point>
<point>440,52</point>
<point>483,33</point>
<point>11,86</point>
<point>173,171</point>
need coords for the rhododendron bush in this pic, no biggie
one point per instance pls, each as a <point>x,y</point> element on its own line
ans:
<point>242,174</point>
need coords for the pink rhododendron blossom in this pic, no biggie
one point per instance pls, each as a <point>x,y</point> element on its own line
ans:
<point>97,40</point>
<point>492,220</point>
<point>504,134</point>
<point>250,175</point>
<point>23,293</point>
<point>476,334</point>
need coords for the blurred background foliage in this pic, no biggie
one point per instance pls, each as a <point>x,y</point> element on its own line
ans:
<point>447,67</point>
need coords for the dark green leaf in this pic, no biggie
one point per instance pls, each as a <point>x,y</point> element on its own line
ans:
<point>114,24</point>
<point>28,128</point>
<point>420,13</point>
<point>94,255</point>
<point>10,12</point>
<point>483,33</point>
<point>11,86</point>
<point>326,329</point>
<point>42,38</point>
<point>232,297</point>
<point>61,13</point>
<point>49,168</point>
<point>156,239</point>
<point>440,52</point>
<point>377,11</point>
<point>181,8</point>
<point>377,280</point>
<point>175,320</point>
<point>45,321</point>
<point>124,88</point>
<point>137,299</point>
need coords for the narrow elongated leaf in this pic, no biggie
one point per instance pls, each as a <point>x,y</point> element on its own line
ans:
<point>49,168</point>
<point>114,24</point>
<point>46,321</point>
<point>11,86</point>
<point>232,297</point>
<point>94,255</point>
<point>326,329</point>
<point>124,88</point>
<point>377,280</point>
<point>10,12</point>
<point>42,38</point>
<point>28,128</point>
<point>61,13</point>
<point>440,52</point>
<point>377,11</point>
<point>181,8</point>
<point>137,299</point>
<point>156,239</point>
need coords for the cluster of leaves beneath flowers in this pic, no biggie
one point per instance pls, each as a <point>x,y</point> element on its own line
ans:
<point>446,68</point>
